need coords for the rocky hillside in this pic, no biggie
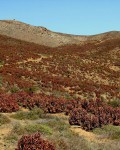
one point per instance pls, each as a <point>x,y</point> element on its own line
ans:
<point>43,36</point>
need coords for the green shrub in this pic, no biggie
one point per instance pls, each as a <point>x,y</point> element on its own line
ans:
<point>33,89</point>
<point>14,89</point>
<point>109,131</point>
<point>0,81</point>
<point>32,128</point>
<point>11,137</point>
<point>58,124</point>
<point>34,114</point>
<point>18,129</point>
<point>1,63</point>
<point>4,119</point>
<point>114,103</point>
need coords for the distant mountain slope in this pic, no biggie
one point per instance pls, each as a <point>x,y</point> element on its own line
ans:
<point>43,36</point>
<point>73,69</point>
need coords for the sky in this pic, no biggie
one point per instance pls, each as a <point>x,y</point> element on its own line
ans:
<point>80,17</point>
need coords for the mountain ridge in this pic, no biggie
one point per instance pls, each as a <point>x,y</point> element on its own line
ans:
<point>43,36</point>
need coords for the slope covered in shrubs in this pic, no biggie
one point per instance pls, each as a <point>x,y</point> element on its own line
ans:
<point>80,80</point>
<point>84,70</point>
<point>89,114</point>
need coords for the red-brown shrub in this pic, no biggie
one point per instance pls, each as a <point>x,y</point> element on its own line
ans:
<point>34,142</point>
<point>8,103</point>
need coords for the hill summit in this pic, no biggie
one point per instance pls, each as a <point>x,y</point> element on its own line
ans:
<point>43,36</point>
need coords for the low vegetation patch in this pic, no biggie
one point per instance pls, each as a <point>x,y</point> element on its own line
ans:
<point>114,103</point>
<point>57,130</point>
<point>4,119</point>
<point>17,131</point>
<point>109,131</point>
<point>44,129</point>
<point>34,114</point>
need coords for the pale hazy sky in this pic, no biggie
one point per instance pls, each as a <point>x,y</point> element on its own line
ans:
<point>82,17</point>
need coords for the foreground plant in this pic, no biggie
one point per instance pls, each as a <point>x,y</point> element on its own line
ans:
<point>34,142</point>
